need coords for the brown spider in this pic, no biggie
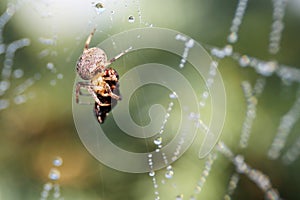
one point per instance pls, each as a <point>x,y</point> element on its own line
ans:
<point>103,85</point>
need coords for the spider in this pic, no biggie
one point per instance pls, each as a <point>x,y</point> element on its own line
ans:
<point>103,81</point>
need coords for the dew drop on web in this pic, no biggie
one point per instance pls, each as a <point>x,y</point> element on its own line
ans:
<point>158,141</point>
<point>54,174</point>
<point>131,19</point>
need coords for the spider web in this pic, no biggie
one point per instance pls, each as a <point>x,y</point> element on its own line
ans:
<point>259,72</point>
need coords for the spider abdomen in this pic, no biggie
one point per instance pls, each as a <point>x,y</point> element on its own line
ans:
<point>110,77</point>
<point>91,62</point>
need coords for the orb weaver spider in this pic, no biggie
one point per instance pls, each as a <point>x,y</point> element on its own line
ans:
<point>103,81</point>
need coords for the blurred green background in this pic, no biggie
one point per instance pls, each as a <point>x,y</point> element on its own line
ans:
<point>34,132</point>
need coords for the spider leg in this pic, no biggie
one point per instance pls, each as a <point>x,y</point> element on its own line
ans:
<point>117,56</point>
<point>86,46</point>
<point>80,85</point>
<point>89,88</point>
<point>110,78</point>
<point>110,93</point>
<point>78,92</point>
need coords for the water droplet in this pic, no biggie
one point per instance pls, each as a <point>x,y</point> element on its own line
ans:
<point>54,174</point>
<point>11,9</point>
<point>198,189</point>
<point>4,85</point>
<point>173,95</point>
<point>272,194</point>
<point>44,53</point>
<point>252,100</point>
<point>44,194</point>
<point>8,62</point>
<point>180,37</point>
<point>151,173</point>
<point>192,198</point>
<point>18,73</point>
<point>158,141</point>
<point>205,95</point>
<point>53,82</point>
<point>3,104</point>
<point>2,48</point>
<point>48,186</point>
<point>189,44</point>
<point>58,161</point>
<point>149,155</point>
<point>99,8</point>
<point>185,53</point>
<point>99,5</point>
<point>56,195</point>
<point>161,130</point>
<point>202,104</point>
<point>47,41</point>
<point>60,76</point>
<point>179,197</point>
<point>217,52</point>
<point>228,50</point>
<point>169,174</point>
<point>50,66</point>
<point>20,99</point>
<point>232,38</point>
<point>244,61</point>
<point>131,19</point>
<point>266,68</point>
